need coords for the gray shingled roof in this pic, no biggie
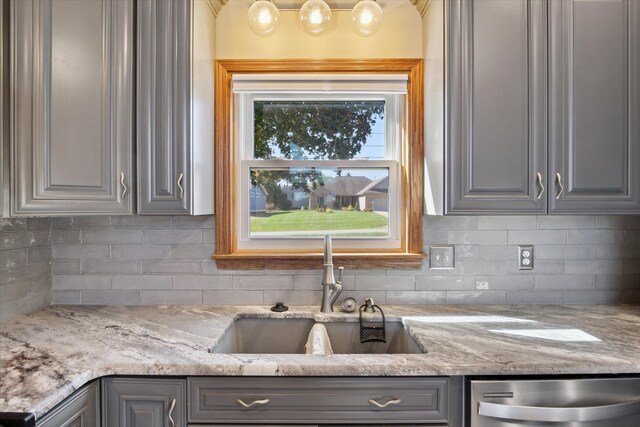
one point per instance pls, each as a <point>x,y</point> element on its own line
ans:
<point>346,185</point>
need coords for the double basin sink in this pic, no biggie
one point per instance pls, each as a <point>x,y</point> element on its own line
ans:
<point>288,336</point>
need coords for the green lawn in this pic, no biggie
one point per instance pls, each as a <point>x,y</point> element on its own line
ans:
<point>313,220</point>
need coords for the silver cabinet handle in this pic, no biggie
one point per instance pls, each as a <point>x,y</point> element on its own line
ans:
<point>180,186</point>
<point>558,415</point>
<point>173,405</point>
<point>541,185</point>
<point>560,187</point>
<point>124,186</point>
<point>255,402</point>
<point>384,405</point>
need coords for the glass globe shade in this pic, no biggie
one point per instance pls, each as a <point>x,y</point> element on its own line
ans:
<point>366,17</point>
<point>264,17</point>
<point>315,17</point>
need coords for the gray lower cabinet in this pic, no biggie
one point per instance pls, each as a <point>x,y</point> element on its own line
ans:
<point>72,106</point>
<point>320,401</point>
<point>82,409</point>
<point>496,106</point>
<point>594,106</point>
<point>175,99</point>
<point>143,402</point>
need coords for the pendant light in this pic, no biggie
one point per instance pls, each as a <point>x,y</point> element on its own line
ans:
<point>264,17</point>
<point>366,17</point>
<point>315,17</point>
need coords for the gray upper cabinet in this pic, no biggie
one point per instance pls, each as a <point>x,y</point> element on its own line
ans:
<point>594,107</point>
<point>72,106</point>
<point>496,106</point>
<point>82,409</point>
<point>175,98</point>
<point>143,402</point>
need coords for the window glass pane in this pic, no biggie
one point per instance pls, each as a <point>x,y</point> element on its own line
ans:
<point>319,130</point>
<point>311,202</point>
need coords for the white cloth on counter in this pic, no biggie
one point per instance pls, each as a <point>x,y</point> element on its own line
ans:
<point>318,341</point>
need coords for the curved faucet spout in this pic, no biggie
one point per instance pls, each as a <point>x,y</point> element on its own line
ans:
<point>331,288</point>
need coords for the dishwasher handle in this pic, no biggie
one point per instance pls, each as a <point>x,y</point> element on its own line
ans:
<point>558,415</point>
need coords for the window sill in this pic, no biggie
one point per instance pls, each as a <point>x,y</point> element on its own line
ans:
<point>314,261</point>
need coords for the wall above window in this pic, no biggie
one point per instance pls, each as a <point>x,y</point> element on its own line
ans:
<point>395,39</point>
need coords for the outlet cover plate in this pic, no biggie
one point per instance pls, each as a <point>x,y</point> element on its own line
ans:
<point>525,257</point>
<point>442,257</point>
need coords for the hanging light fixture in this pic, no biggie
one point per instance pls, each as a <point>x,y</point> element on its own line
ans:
<point>264,17</point>
<point>315,17</point>
<point>366,17</point>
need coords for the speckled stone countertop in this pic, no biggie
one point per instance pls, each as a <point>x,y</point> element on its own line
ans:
<point>48,354</point>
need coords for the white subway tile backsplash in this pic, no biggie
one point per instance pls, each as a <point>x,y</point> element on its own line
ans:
<point>205,283</point>
<point>262,283</point>
<point>150,297</point>
<point>233,298</point>
<point>176,237</point>
<point>167,260</point>
<point>84,281</point>
<point>106,297</point>
<point>113,236</point>
<point>138,281</point>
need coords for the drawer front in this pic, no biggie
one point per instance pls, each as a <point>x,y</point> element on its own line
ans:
<point>318,400</point>
<point>82,409</point>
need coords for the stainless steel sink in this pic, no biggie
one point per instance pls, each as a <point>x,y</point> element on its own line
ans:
<point>288,336</point>
<point>345,339</point>
<point>267,336</point>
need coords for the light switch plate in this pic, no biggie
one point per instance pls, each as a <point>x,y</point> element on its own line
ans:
<point>441,257</point>
<point>525,257</point>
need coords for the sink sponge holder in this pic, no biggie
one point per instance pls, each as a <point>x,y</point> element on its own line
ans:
<point>372,331</point>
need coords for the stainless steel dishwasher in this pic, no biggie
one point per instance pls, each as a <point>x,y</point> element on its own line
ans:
<point>593,402</point>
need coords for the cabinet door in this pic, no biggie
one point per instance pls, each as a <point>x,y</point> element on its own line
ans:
<point>143,402</point>
<point>496,106</point>
<point>71,92</point>
<point>163,106</point>
<point>82,409</point>
<point>594,106</point>
<point>4,109</point>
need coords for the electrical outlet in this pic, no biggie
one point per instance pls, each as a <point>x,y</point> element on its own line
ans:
<point>525,257</point>
<point>441,257</point>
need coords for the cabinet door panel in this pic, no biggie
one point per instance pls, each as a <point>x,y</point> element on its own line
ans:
<point>164,106</point>
<point>496,108</point>
<point>72,105</point>
<point>595,105</point>
<point>142,402</point>
<point>82,409</point>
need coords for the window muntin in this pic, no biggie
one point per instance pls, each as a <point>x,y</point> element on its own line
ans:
<point>273,154</point>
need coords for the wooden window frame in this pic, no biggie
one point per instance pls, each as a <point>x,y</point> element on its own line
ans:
<point>229,257</point>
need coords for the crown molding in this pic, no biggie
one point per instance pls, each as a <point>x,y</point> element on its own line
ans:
<point>421,5</point>
<point>216,5</point>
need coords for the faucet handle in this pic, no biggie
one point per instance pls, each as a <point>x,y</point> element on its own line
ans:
<point>340,272</point>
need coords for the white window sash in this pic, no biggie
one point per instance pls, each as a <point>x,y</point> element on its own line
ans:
<point>244,138</point>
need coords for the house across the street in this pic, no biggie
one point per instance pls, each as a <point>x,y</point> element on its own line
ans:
<point>359,192</point>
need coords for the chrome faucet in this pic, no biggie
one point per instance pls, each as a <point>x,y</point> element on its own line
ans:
<point>331,288</point>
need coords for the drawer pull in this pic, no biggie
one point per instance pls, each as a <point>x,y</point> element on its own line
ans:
<point>384,405</point>
<point>560,187</point>
<point>180,186</point>
<point>171,420</point>
<point>255,402</point>
<point>124,186</point>
<point>541,185</point>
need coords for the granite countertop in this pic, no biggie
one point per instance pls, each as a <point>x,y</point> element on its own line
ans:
<point>46,355</point>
